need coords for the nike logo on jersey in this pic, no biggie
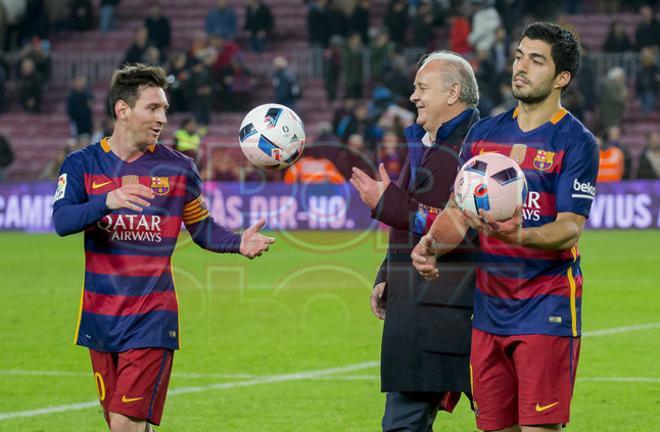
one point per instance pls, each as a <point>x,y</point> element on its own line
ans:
<point>100,185</point>
<point>541,408</point>
<point>129,400</point>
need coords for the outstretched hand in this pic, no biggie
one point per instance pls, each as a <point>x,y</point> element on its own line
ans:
<point>253,243</point>
<point>370,190</point>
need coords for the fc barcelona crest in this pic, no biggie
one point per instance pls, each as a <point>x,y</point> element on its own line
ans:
<point>543,160</point>
<point>160,185</point>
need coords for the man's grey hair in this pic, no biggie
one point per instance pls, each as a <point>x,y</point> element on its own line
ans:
<point>457,71</point>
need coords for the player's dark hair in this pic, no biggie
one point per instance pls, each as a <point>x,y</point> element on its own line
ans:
<point>565,46</point>
<point>128,82</point>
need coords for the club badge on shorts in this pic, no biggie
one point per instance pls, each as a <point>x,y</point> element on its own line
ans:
<point>160,185</point>
<point>543,160</point>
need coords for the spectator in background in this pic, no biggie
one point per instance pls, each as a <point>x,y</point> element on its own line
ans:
<point>458,35</point>
<point>586,80</point>
<point>222,167</point>
<point>499,53</point>
<point>221,21</point>
<point>199,47</point>
<point>380,53</point>
<point>236,85</point>
<point>31,87</point>
<point>614,98</point>
<point>649,160</point>
<point>78,107</point>
<point>337,22</point>
<point>136,53</point>
<point>152,56</point>
<point>352,67</point>
<point>648,79</point>
<point>355,154</point>
<point>344,110</point>
<point>511,12</point>
<point>158,29</point>
<point>396,21</point>
<point>358,19</point>
<point>177,78</point>
<point>317,17</point>
<point>484,71</point>
<point>37,51</point>
<point>611,164</point>
<point>617,40</point>
<point>188,138</point>
<point>258,23</point>
<point>648,30</point>
<point>108,15</point>
<point>391,155</point>
<point>313,168</point>
<point>6,156</point>
<point>614,139</point>
<point>52,169</point>
<point>397,80</point>
<point>200,90</point>
<point>223,52</point>
<point>360,123</point>
<point>422,24</point>
<point>33,22</point>
<point>332,58</point>
<point>82,15</point>
<point>485,22</point>
<point>285,84</point>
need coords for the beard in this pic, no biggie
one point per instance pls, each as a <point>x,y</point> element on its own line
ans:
<point>535,96</point>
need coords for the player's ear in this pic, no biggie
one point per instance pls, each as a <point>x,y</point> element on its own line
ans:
<point>562,79</point>
<point>454,94</point>
<point>121,109</point>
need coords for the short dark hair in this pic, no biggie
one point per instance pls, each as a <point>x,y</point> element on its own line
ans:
<point>128,82</point>
<point>565,46</point>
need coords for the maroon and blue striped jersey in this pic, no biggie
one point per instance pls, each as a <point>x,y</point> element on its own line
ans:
<point>128,298</point>
<point>522,290</point>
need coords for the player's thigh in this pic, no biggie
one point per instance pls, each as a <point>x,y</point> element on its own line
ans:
<point>142,380</point>
<point>494,382</point>
<point>546,367</point>
<point>104,367</point>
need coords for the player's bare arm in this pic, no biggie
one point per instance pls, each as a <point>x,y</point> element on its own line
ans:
<point>561,234</point>
<point>445,235</point>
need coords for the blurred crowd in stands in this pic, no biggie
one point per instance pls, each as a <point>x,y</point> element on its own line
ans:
<point>367,69</point>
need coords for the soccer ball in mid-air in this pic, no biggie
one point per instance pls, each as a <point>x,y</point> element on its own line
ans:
<point>272,136</point>
<point>492,182</point>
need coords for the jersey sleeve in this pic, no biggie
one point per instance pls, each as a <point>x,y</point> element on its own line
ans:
<point>204,231</point>
<point>576,185</point>
<point>466,149</point>
<point>73,209</point>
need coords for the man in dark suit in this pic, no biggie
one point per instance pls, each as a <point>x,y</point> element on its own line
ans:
<point>426,336</point>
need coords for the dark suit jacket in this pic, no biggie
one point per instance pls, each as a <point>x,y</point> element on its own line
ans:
<point>426,336</point>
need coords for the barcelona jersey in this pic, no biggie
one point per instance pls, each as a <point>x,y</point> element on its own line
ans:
<point>521,290</point>
<point>128,299</point>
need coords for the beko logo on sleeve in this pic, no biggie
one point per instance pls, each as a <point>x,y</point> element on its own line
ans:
<point>588,190</point>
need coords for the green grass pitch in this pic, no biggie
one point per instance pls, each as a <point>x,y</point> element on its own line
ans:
<point>287,342</point>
